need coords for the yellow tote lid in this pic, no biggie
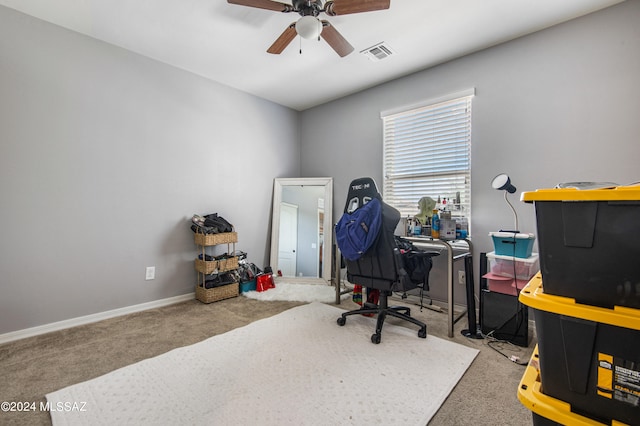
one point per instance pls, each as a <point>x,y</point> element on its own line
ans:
<point>618,193</point>
<point>533,296</point>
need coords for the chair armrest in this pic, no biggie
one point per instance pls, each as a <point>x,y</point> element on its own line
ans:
<point>425,253</point>
<point>402,273</point>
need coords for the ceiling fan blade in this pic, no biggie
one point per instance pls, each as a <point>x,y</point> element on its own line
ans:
<point>335,39</point>
<point>283,41</point>
<point>262,4</point>
<point>344,7</point>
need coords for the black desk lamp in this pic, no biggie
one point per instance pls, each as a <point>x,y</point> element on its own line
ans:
<point>503,183</point>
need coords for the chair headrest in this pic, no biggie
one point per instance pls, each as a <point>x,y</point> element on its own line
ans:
<point>361,191</point>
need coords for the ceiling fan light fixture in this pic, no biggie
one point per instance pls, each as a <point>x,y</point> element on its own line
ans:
<point>309,27</point>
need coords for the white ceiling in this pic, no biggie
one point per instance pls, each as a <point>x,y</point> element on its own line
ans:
<point>227,43</point>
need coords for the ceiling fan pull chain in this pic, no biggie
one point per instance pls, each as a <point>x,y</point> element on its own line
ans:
<point>300,38</point>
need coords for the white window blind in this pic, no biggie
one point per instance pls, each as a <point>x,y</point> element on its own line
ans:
<point>427,152</point>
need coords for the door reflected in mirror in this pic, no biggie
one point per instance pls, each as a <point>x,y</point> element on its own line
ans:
<point>288,240</point>
<point>302,211</point>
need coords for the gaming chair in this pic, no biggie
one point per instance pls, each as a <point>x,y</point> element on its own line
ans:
<point>382,266</point>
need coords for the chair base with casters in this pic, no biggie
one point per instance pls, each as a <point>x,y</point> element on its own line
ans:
<point>381,311</point>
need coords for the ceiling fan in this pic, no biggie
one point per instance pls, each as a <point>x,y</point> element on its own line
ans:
<point>309,26</point>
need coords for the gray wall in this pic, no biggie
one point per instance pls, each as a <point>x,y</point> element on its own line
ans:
<point>104,157</point>
<point>556,106</point>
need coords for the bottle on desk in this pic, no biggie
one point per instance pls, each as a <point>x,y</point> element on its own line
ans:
<point>435,224</point>
<point>417,227</point>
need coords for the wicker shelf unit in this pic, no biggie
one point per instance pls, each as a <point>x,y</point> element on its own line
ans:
<point>207,267</point>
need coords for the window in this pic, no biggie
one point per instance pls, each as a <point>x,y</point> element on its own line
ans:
<point>427,152</point>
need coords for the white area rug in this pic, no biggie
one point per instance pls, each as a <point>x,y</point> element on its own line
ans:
<point>298,292</point>
<point>296,368</point>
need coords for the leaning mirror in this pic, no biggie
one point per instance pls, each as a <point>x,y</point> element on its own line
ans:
<point>301,230</point>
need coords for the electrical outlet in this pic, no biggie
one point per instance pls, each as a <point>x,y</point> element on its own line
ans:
<point>151,273</point>
<point>461,277</point>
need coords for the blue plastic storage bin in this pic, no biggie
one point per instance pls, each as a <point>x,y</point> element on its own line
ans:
<point>512,244</point>
<point>248,286</point>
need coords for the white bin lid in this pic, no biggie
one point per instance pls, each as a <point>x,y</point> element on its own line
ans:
<point>511,234</point>
<point>531,259</point>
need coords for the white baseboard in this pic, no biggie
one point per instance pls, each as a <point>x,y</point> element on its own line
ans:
<point>87,319</point>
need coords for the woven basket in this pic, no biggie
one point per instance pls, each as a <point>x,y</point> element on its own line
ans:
<point>211,266</point>
<point>213,239</point>
<point>209,295</point>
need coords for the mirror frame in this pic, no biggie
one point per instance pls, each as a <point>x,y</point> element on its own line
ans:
<point>327,183</point>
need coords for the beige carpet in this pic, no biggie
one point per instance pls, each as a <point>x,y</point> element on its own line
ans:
<point>272,372</point>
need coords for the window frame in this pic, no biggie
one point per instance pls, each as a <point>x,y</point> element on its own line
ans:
<point>398,185</point>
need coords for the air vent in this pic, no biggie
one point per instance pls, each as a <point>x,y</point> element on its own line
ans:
<point>378,52</point>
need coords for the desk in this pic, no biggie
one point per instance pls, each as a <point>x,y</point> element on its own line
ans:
<point>451,259</point>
